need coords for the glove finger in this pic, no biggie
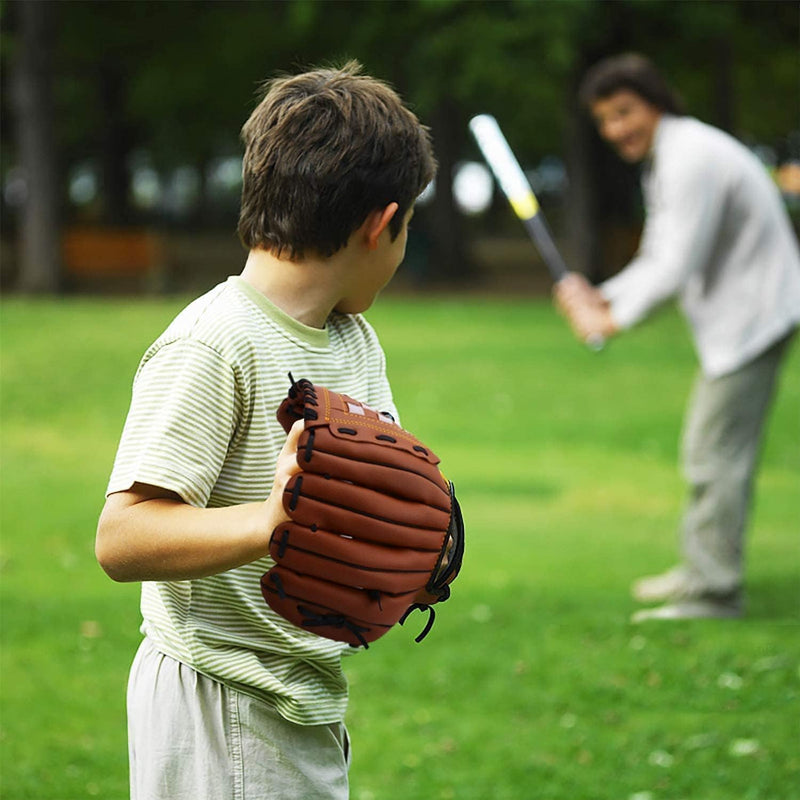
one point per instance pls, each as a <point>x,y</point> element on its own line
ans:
<point>362,513</point>
<point>285,590</point>
<point>378,467</point>
<point>319,442</point>
<point>350,561</point>
<point>347,550</point>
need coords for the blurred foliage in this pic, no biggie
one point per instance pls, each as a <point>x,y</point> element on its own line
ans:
<point>186,74</point>
<point>168,85</point>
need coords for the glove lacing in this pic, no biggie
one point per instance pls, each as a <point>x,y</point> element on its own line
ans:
<point>431,618</point>
<point>314,619</point>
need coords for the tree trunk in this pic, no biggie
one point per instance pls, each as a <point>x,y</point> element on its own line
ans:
<point>724,94</point>
<point>449,261</point>
<point>582,251</point>
<point>603,208</point>
<point>116,143</point>
<point>40,259</point>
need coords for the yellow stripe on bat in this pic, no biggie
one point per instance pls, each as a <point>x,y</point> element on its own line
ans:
<point>525,206</point>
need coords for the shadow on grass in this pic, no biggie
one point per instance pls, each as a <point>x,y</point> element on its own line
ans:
<point>774,598</point>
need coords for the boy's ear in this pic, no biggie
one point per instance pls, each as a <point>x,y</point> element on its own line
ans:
<point>376,222</point>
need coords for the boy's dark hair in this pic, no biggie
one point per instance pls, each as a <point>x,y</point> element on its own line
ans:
<point>322,150</point>
<point>635,73</point>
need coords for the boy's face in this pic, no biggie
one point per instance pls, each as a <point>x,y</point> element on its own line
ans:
<point>376,270</point>
<point>627,122</point>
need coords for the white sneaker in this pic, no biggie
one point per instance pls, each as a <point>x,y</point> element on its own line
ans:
<point>696,609</point>
<point>672,585</point>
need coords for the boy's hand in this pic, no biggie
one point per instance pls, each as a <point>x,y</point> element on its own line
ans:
<point>286,467</point>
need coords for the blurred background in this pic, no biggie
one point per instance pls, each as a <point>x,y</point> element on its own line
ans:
<point>120,153</point>
<point>119,192</point>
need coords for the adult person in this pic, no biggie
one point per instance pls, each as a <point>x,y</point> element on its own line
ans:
<point>716,237</point>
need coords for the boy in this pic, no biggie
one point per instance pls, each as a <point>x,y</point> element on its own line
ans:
<point>718,237</point>
<point>226,699</point>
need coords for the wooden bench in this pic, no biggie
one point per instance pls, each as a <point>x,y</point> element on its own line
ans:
<point>116,257</point>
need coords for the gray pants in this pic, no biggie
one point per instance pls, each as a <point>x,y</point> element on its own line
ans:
<point>191,738</point>
<point>721,444</point>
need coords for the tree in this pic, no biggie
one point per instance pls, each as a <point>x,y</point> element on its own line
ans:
<point>177,80</point>
<point>39,260</point>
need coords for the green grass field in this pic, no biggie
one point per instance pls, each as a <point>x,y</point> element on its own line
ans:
<point>532,684</point>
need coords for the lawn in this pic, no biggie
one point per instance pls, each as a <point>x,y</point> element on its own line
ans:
<point>532,683</point>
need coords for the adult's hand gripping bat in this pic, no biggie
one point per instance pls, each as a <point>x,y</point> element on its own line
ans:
<point>518,190</point>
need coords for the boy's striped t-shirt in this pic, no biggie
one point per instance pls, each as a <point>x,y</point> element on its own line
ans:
<point>202,424</point>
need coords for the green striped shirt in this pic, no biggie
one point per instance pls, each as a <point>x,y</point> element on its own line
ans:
<point>202,424</point>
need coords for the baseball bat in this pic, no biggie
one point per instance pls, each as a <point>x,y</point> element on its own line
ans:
<point>517,189</point>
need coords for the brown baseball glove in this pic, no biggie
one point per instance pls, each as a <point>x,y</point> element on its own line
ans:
<point>375,530</point>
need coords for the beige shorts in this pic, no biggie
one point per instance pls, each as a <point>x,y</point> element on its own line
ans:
<point>191,738</point>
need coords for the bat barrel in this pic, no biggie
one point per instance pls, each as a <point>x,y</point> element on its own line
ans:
<point>517,189</point>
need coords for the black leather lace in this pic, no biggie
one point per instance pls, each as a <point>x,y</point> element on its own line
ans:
<point>314,619</point>
<point>428,625</point>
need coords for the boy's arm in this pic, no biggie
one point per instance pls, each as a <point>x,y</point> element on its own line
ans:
<point>148,533</point>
